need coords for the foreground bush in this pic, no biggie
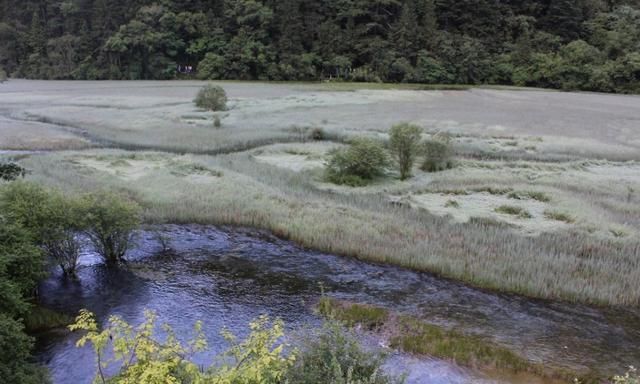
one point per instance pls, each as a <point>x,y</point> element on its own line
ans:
<point>362,161</point>
<point>111,221</point>
<point>144,356</point>
<point>212,98</point>
<point>631,377</point>
<point>437,155</point>
<point>335,356</point>
<point>404,144</point>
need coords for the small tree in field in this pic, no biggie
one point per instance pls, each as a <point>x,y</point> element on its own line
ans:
<point>212,98</point>
<point>111,221</point>
<point>404,144</point>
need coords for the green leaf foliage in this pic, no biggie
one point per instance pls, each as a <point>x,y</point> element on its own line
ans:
<point>581,45</point>
<point>357,164</point>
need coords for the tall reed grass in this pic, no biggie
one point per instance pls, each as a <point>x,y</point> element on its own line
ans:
<point>569,266</point>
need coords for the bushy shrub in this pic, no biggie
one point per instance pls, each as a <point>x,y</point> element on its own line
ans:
<point>317,134</point>
<point>111,220</point>
<point>11,171</point>
<point>363,160</point>
<point>52,218</point>
<point>3,75</point>
<point>144,356</point>
<point>437,155</point>
<point>212,98</point>
<point>404,143</point>
<point>335,356</point>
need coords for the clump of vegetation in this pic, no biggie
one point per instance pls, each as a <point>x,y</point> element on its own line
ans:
<point>212,98</point>
<point>364,160</point>
<point>535,195</point>
<point>54,220</point>
<point>3,75</point>
<point>41,319</point>
<point>217,123</point>
<point>404,142</point>
<point>452,204</point>
<point>21,267</point>
<point>437,155</point>
<point>335,356</point>
<point>352,314</point>
<point>304,133</point>
<point>631,377</point>
<point>493,190</point>
<point>618,232</point>
<point>514,211</point>
<point>488,222</point>
<point>559,216</point>
<point>142,355</point>
<point>417,337</point>
<point>317,133</point>
<point>11,171</point>
<point>111,220</point>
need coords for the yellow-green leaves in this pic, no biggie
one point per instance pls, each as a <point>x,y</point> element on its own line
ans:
<point>145,357</point>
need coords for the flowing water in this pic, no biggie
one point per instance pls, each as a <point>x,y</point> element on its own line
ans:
<point>227,277</point>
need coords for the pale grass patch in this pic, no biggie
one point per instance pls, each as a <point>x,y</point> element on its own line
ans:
<point>549,265</point>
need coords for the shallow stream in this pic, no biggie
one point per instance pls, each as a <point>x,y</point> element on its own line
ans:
<point>227,277</point>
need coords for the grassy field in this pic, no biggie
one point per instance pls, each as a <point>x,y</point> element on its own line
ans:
<point>569,161</point>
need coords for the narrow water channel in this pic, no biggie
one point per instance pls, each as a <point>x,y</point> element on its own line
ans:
<point>227,277</point>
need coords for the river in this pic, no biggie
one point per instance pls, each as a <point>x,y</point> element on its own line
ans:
<point>226,277</point>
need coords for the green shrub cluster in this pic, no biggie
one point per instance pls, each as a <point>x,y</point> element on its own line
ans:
<point>366,158</point>
<point>11,171</point>
<point>56,221</point>
<point>357,164</point>
<point>437,155</point>
<point>212,98</point>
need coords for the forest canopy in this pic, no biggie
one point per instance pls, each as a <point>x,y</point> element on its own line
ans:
<point>568,44</point>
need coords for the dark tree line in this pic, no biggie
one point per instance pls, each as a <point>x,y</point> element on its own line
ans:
<point>570,44</point>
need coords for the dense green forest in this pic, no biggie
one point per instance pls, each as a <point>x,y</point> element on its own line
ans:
<point>569,44</point>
